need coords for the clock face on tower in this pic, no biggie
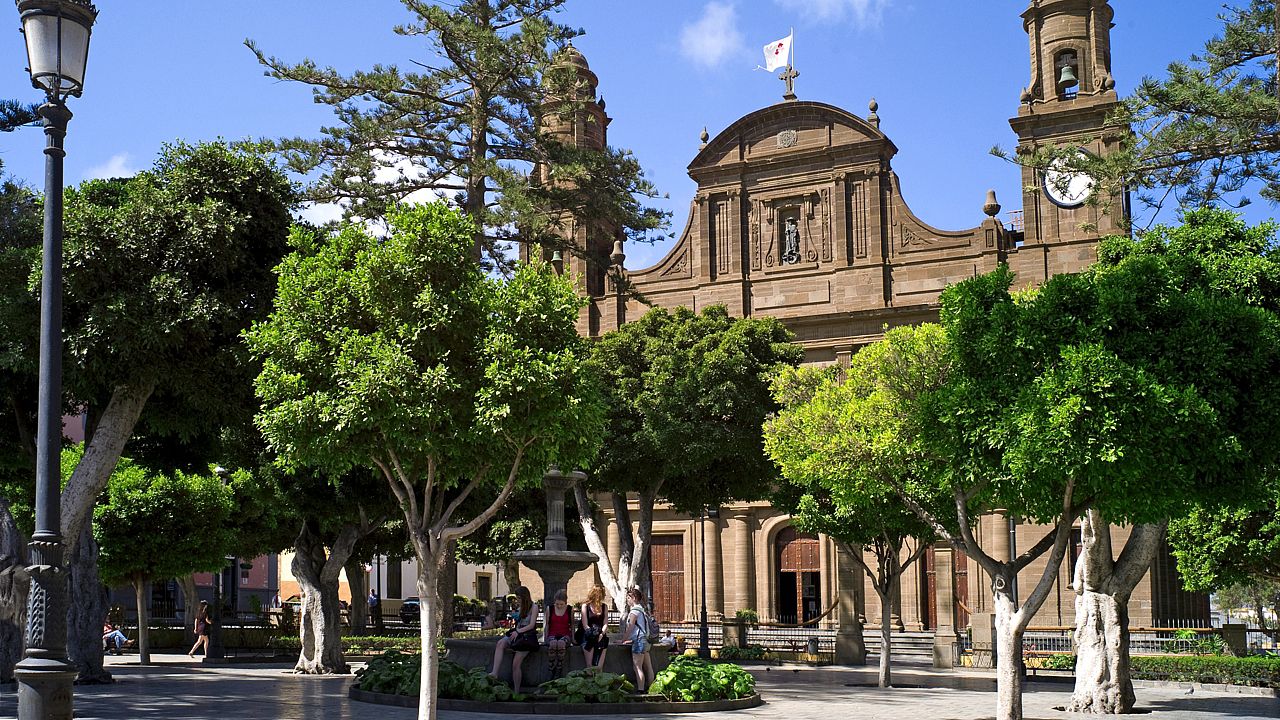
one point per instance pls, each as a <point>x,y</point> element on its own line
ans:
<point>1065,187</point>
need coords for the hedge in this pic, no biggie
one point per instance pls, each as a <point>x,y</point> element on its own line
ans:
<point>374,644</point>
<point>1255,671</point>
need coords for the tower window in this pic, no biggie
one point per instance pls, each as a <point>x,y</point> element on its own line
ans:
<point>1067,72</point>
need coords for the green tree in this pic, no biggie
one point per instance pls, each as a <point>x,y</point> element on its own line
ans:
<point>155,526</point>
<point>839,435</point>
<point>399,353</point>
<point>1218,546</point>
<point>466,124</point>
<point>687,394</point>
<point>162,272</point>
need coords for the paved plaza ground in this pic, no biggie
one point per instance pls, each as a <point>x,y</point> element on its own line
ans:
<point>178,689</point>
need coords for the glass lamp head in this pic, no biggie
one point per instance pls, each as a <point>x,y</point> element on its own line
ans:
<point>57,36</point>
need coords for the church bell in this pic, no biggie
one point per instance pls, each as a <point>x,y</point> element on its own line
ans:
<point>1067,79</point>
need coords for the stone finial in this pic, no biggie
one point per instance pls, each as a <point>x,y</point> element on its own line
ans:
<point>600,102</point>
<point>991,207</point>
<point>704,137</point>
<point>617,257</point>
<point>1026,96</point>
<point>873,118</point>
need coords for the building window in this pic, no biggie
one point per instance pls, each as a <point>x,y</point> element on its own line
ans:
<point>484,587</point>
<point>394,591</point>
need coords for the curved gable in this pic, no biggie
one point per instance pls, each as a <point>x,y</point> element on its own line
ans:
<point>790,128</point>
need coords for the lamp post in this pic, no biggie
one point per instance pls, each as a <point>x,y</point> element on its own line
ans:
<point>57,39</point>
<point>704,630</point>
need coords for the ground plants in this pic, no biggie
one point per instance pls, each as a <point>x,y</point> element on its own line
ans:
<point>752,652</point>
<point>1252,671</point>
<point>393,673</point>
<point>459,683</point>
<point>588,686</point>
<point>691,679</point>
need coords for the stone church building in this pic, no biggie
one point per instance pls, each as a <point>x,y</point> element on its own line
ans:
<point>799,215</point>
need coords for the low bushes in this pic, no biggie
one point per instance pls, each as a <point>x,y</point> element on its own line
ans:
<point>459,683</point>
<point>1256,671</point>
<point>1225,669</point>
<point>393,673</point>
<point>753,652</point>
<point>588,686</point>
<point>690,679</point>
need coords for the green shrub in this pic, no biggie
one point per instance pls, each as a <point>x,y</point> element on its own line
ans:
<point>1190,641</point>
<point>753,652</point>
<point>393,672</point>
<point>1254,671</point>
<point>747,615</point>
<point>690,679</point>
<point>588,686</point>
<point>1058,661</point>
<point>459,683</point>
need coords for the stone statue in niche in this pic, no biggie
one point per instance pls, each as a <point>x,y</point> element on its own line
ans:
<point>790,240</point>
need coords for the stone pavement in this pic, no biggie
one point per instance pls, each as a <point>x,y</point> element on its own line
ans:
<point>178,689</point>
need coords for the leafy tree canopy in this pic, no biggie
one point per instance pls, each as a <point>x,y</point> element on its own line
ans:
<point>687,395</point>
<point>465,124</point>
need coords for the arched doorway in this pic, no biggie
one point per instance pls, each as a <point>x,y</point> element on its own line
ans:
<point>799,580</point>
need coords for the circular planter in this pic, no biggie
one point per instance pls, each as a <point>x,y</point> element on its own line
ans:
<point>547,707</point>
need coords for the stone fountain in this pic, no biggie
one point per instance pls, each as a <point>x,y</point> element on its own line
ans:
<point>555,563</point>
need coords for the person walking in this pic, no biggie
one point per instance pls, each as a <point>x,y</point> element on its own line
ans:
<point>201,627</point>
<point>521,639</point>
<point>637,636</point>
<point>593,619</point>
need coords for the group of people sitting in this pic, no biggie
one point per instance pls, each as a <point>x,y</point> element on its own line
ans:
<point>588,632</point>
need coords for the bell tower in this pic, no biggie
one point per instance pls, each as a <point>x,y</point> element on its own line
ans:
<point>1066,105</point>
<point>583,124</point>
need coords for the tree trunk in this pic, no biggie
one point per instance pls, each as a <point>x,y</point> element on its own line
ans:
<point>1009,678</point>
<point>429,627</point>
<point>446,588</point>
<point>15,584</point>
<point>511,573</point>
<point>86,610</point>
<point>320,620</point>
<point>886,636</point>
<point>358,610</point>
<point>1104,684</point>
<point>190,604</point>
<point>101,453</point>
<point>144,641</point>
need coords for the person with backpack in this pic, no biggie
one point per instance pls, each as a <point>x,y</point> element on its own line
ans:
<point>637,636</point>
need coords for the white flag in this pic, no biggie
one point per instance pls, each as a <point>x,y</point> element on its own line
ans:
<point>777,54</point>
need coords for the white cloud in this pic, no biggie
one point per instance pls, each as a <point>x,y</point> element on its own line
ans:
<point>862,12</point>
<point>712,38</point>
<point>117,166</point>
<point>320,213</point>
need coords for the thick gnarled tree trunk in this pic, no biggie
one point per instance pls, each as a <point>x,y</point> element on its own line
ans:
<point>86,611</point>
<point>320,619</point>
<point>1103,585</point>
<point>15,584</point>
<point>358,609</point>
<point>633,562</point>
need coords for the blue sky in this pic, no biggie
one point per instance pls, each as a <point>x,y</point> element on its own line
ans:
<point>946,73</point>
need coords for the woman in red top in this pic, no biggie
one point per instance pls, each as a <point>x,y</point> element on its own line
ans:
<point>559,632</point>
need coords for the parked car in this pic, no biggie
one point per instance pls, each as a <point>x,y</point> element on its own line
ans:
<point>410,611</point>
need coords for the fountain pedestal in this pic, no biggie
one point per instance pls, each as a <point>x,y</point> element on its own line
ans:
<point>555,563</point>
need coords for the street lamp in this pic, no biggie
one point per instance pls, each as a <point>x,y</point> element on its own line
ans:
<point>57,37</point>
<point>704,631</point>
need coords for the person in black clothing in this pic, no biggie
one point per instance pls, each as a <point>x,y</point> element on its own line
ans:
<point>594,618</point>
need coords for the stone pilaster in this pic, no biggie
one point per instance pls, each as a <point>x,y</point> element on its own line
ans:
<point>944,636</point>
<point>742,564</point>
<point>851,649</point>
<point>715,576</point>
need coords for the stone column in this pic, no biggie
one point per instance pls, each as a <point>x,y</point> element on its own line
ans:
<point>851,649</point>
<point>944,636</point>
<point>1000,550</point>
<point>612,543</point>
<point>742,568</point>
<point>715,576</point>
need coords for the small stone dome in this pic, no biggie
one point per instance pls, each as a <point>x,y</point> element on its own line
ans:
<point>571,56</point>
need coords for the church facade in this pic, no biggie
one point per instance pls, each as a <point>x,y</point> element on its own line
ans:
<point>799,216</point>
